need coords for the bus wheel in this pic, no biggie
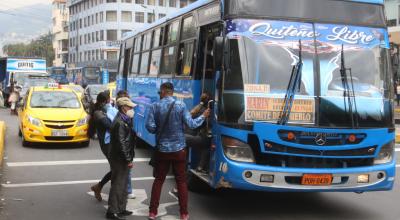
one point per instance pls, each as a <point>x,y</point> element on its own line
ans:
<point>196,184</point>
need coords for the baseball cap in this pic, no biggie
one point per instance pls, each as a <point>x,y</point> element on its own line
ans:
<point>125,101</point>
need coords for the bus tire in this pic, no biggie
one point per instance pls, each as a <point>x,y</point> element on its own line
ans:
<point>195,184</point>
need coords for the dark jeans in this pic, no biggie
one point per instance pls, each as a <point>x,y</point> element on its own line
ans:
<point>202,146</point>
<point>119,182</point>
<point>161,168</point>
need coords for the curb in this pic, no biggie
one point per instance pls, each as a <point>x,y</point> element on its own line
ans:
<point>2,136</point>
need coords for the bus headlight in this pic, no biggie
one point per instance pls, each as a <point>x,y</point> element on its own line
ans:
<point>81,122</point>
<point>34,121</point>
<point>237,150</point>
<point>385,155</point>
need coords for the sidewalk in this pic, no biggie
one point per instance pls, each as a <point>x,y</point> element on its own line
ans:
<point>2,139</point>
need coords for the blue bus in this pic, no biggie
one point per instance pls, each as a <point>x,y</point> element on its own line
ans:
<point>303,90</point>
<point>85,75</point>
<point>59,74</point>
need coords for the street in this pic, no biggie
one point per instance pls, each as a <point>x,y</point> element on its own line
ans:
<point>53,182</point>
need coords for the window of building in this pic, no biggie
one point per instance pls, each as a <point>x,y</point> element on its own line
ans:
<point>93,19</point>
<point>123,32</point>
<point>172,32</point>
<point>126,1</point>
<point>101,35</point>
<point>111,16</point>
<point>111,1</point>
<point>139,1</point>
<point>161,2</point>
<point>89,38</point>
<point>93,37</point>
<point>139,17</point>
<point>391,22</point>
<point>126,16</point>
<point>151,2</point>
<point>112,35</point>
<point>112,55</point>
<point>97,18</point>
<point>101,17</point>
<point>151,17</point>
<point>172,3</point>
<point>183,3</point>
<point>161,15</point>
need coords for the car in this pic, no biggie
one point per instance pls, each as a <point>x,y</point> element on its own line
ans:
<point>90,95</point>
<point>77,89</point>
<point>52,114</point>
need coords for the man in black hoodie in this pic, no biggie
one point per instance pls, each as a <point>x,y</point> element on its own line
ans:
<point>121,156</point>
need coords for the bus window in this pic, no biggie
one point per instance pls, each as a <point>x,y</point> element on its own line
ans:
<point>172,32</point>
<point>135,64</point>
<point>188,28</point>
<point>157,38</point>
<point>168,60</point>
<point>144,63</point>
<point>184,65</point>
<point>155,62</point>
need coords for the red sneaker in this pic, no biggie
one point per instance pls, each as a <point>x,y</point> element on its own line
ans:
<point>185,217</point>
<point>152,216</point>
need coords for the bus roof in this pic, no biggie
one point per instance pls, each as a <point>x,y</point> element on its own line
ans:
<point>199,4</point>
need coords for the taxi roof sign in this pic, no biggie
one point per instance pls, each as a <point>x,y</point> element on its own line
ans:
<point>53,86</point>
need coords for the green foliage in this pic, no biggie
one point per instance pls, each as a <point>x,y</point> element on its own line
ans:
<point>41,47</point>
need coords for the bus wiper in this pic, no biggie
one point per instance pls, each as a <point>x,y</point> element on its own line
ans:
<point>348,92</point>
<point>293,86</point>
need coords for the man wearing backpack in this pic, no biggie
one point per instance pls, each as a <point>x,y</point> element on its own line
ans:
<point>166,118</point>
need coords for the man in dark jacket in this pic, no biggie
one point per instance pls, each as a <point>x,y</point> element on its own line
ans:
<point>121,157</point>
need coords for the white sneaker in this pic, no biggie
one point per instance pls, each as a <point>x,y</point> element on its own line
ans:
<point>131,196</point>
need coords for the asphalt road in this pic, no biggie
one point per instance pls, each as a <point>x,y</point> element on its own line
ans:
<point>52,182</point>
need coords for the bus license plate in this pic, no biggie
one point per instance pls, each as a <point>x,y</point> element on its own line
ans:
<point>59,133</point>
<point>317,179</point>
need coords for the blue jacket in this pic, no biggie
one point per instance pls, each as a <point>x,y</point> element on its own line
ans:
<point>172,138</point>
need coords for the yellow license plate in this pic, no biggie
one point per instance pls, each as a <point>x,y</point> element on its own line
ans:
<point>317,179</point>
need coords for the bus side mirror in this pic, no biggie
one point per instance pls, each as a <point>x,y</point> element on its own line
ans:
<point>218,52</point>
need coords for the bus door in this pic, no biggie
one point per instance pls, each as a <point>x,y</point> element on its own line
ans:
<point>208,76</point>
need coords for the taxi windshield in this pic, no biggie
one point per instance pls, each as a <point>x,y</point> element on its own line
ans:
<point>54,99</point>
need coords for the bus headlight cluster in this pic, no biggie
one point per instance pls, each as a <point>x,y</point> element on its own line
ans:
<point>237,150</point>
<point>385,155</point>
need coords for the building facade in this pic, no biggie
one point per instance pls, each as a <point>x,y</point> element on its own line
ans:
<point>393,19</point>
<point>96,27</point>
<point>60,18</point>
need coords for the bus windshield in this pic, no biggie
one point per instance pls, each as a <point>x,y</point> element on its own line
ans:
<point>262,55</point>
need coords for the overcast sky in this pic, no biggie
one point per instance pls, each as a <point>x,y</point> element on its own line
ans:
<point>10,4</point>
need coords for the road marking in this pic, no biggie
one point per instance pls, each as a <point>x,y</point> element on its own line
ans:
<point>66,162</point>
<point>397,149</point>
<point>19,185</point>
<point>398,165</point>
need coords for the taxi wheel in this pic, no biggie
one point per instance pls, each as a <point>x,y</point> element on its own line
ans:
<point>25,143</point>
<point>19,133</point>
<point>85,144</point>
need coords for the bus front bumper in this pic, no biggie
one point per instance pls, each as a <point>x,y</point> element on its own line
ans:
<point>266,178</point>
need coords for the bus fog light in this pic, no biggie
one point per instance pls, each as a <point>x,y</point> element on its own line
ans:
<point>380,175</point>
<point>266,178</point>
<point>248,174</point>
<point>363,178</point>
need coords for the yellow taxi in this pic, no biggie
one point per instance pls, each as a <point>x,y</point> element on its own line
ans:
<point>53,114</point>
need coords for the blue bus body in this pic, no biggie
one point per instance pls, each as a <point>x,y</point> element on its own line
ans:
<point>59,74</point>
<point>318,139</point>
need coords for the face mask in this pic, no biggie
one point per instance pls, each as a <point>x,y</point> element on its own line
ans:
<point>130,113</point>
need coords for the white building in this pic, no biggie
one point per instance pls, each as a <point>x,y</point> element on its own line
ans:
<point>393,17</point>
<point>60,32</point>
<point>97,26</point>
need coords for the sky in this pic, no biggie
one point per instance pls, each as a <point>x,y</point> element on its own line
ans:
<point>23,20</point>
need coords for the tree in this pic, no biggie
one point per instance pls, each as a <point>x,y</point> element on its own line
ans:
<point>40,47</point>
